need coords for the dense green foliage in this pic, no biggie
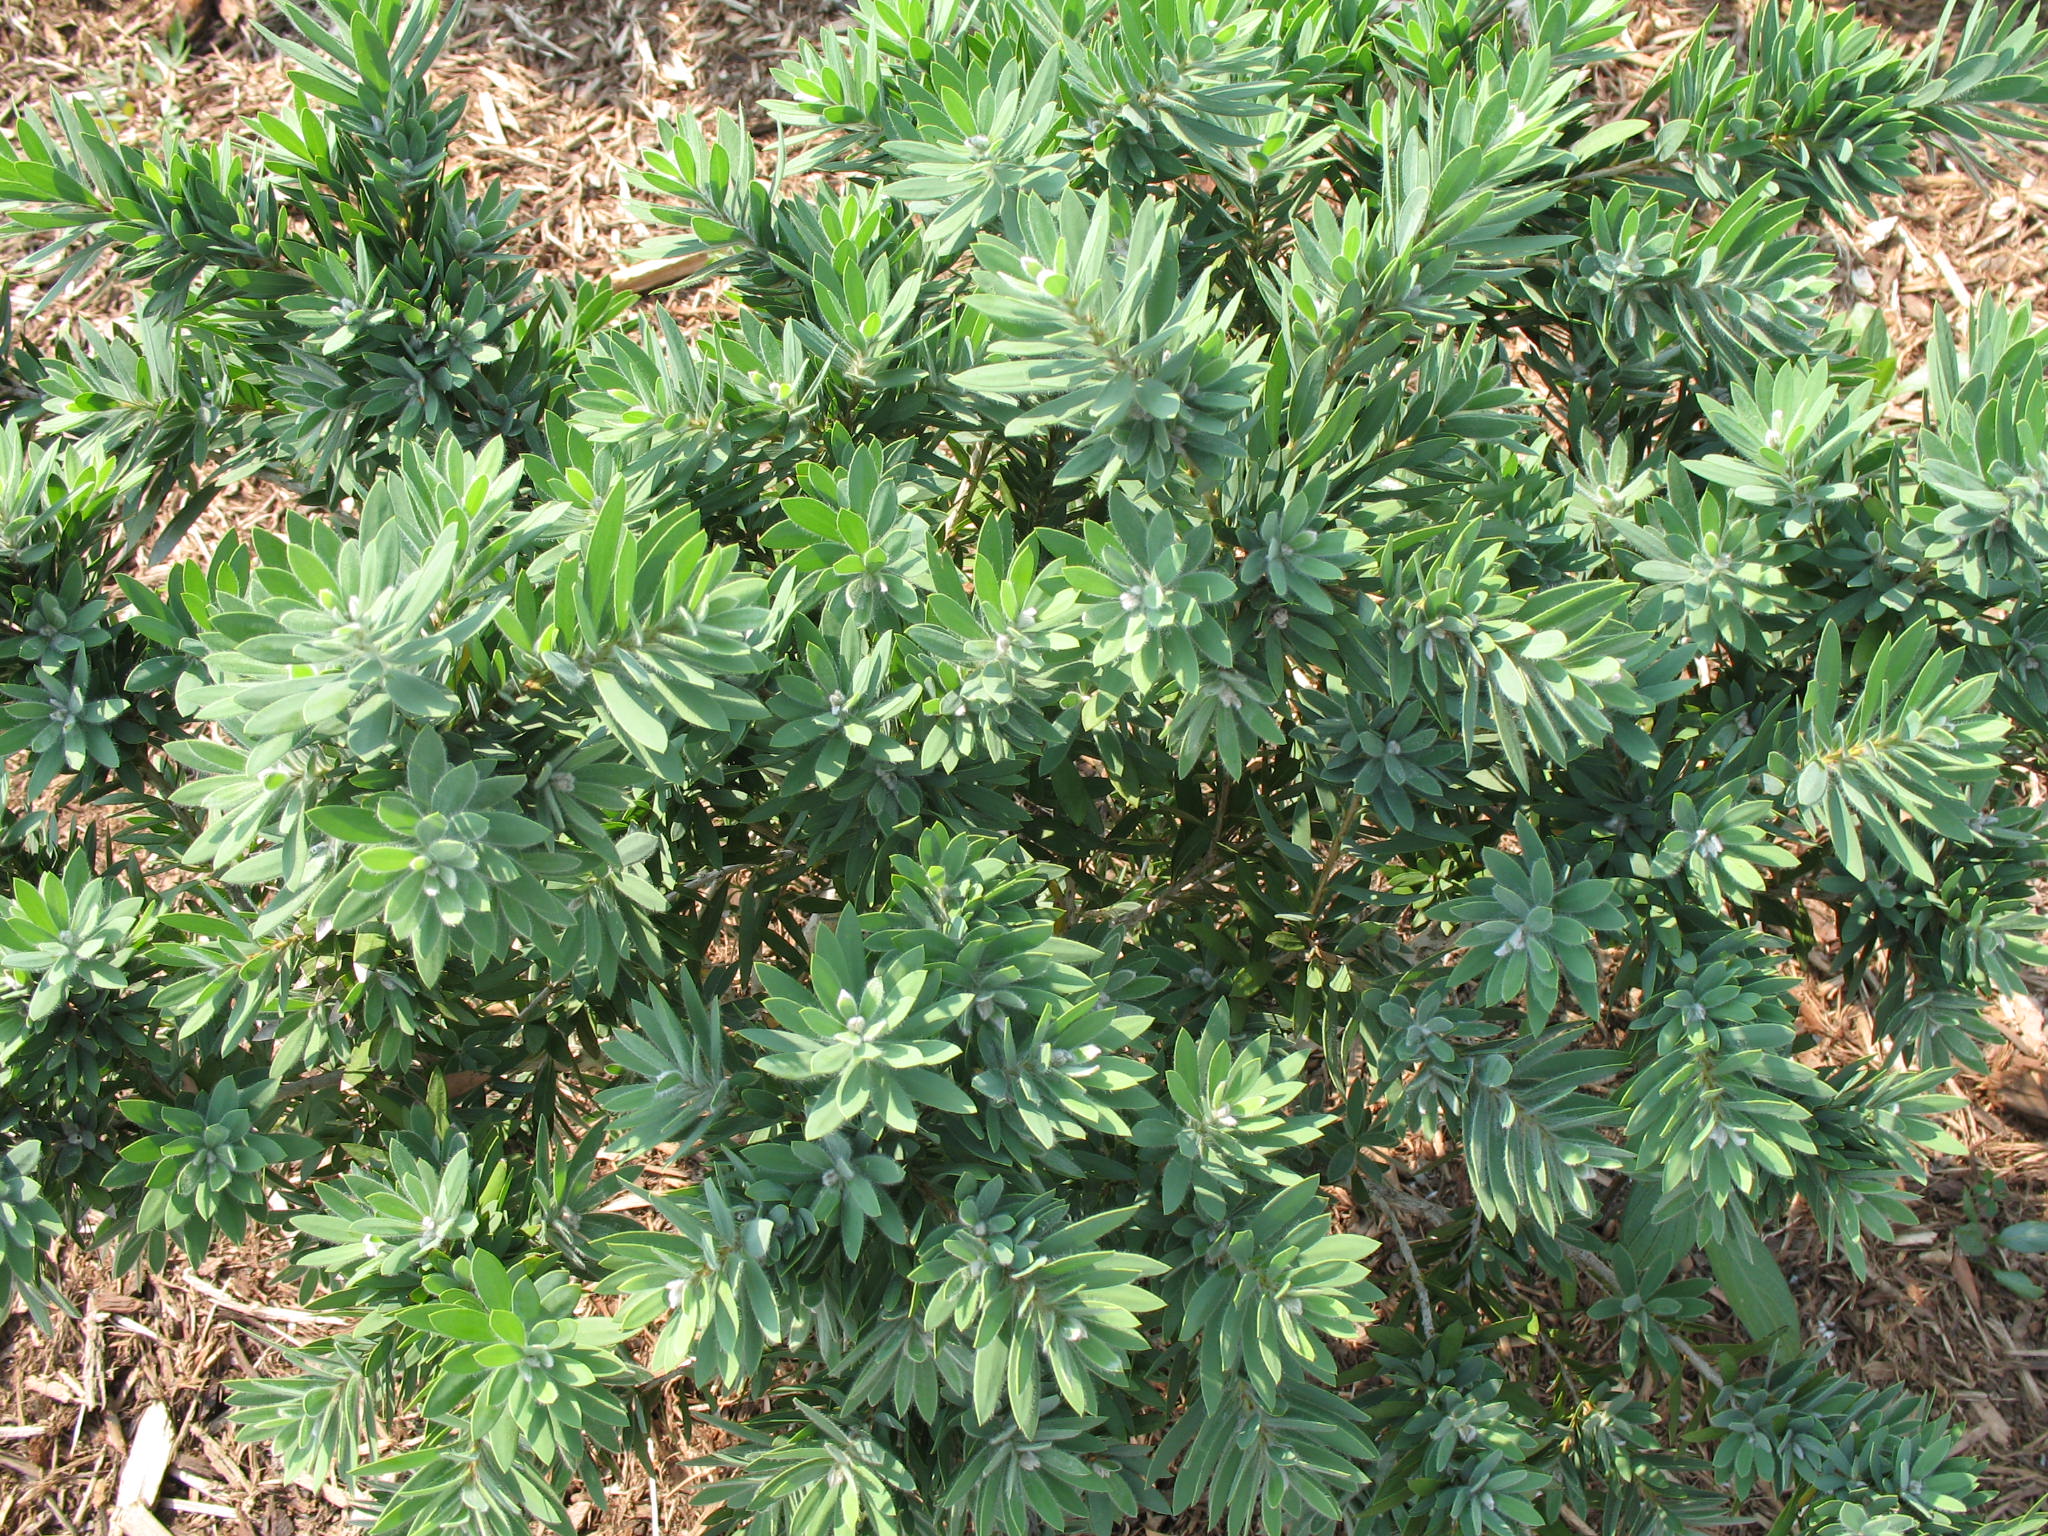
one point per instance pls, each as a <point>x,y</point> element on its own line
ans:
<point>1241,590</point>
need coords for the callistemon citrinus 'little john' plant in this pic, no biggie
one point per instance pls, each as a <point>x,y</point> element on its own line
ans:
<point>1236,591</point>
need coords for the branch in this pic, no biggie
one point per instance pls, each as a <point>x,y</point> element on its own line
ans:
<point>1424,1312</point>
<point>1600,1270</point>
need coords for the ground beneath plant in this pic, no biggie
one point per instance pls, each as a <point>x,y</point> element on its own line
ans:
<point>563,95</point>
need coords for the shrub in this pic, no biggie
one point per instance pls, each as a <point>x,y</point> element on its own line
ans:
<point>1235,594</point>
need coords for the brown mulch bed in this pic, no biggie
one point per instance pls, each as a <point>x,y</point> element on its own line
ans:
<point>564,95</point>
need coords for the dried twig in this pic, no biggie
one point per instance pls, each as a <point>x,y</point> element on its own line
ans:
<point>150,1443</point>
<point>646,276</point>
<point>289,1316</point>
